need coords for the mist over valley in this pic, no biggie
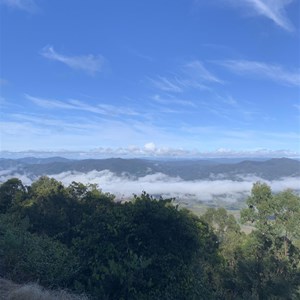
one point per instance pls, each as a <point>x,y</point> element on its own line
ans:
<point>188,181</point>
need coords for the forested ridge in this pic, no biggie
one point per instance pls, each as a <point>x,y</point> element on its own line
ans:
<point>269,169</point>
<point>78,238</point>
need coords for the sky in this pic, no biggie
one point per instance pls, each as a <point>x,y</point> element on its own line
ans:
<point>180,78</point>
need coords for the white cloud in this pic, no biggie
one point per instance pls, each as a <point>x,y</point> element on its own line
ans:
<point>196,70</point>
<point>60,127</point>
<point>73,104</point>
<point>125,186</point>
<point>91,64</point>
<point>148,150</point>
<point>192,75</point>
<point>51,131</point>
<point>166,84</point>
<point>273,10</point>
<point>26,5</point>
<point>169,100</point>
<point>49,103</point>
<point>157,184</point>
<point>150,147</point>
<point>152,150</point>
<point>264,70</point>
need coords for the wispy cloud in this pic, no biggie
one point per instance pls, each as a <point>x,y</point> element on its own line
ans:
<point>192,75</point>
<point>49,103</point>
<point>196,70</point>
<point>170,100</point>
<point>106,109</point>
<point>273,10</point>
<point>26,5</point>
<point>264,70</point>
<point>90,64</point>
<point>73,104</point>
<point>51,131</point>
<point>167,85</point>
<point>237,138</point>
<point>59,126</point>
<point>229,108</point>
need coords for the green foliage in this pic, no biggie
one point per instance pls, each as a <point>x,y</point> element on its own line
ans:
<point>80,238</point>
<point>27,257</point>
<point>46,206</point>
<point>287,215</point>
<point>262,272</point>
<point>274,216</point>
<point>222,222</point>
<point>11,194</point>
<point>260,210</point>
<point>270,259</point>
<point>138,251</point>
<point>54,210</point>
<point>264,264</point>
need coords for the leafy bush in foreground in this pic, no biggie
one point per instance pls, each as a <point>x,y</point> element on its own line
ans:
<point>33,291</point>
<point>78,237</point>
<point>26,257</point>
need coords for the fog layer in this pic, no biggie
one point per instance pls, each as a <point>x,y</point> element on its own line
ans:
<point>125,186</point>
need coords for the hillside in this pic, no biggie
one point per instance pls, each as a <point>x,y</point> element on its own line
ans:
<point>185,169</point>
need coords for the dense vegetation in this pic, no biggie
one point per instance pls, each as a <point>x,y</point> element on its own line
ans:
<point>79,238</point>
<point>32,291</point>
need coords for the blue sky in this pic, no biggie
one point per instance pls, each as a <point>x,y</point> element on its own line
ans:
<point>159,77</point>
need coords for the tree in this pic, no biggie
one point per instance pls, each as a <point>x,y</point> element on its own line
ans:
<point>26,257</point>
<point>260,208</point>
<point>146,249</point>
<point>47,207</point>
<point>269,253</point>
<point>287,216</point>
<point>222,222</point>
<point>12,192</point>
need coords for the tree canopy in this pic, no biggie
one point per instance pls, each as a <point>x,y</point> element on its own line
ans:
<point>78,237</point>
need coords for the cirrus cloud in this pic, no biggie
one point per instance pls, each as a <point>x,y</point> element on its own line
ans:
<point>90,64</point>
<point>273,72</point>
<point>26,5</point>
<point>273,10</point>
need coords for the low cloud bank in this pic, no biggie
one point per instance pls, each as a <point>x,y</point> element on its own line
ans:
<point>152,150</point>
<point>160,184</point>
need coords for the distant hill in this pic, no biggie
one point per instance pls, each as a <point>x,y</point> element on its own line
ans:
<point>35,160</point>
<point>271,169</point>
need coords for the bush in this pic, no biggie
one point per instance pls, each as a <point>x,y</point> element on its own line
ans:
<point>33,291</point>
<point>27,257</point>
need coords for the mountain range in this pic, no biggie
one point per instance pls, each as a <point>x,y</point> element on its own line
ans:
<point>271,169</point>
